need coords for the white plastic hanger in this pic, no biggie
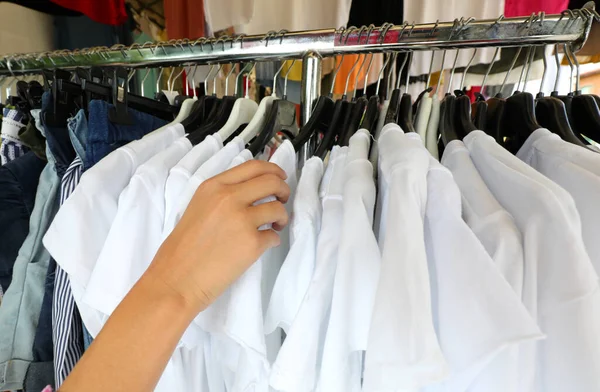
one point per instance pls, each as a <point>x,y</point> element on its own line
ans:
<point>186,106</point>
<point>243,111</point>
<point>258,121</point>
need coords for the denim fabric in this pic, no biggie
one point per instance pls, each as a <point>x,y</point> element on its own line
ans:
<point>18,184</point>
<point>104,137</point>
<point>78,132</point>
<point>57,138</point>
<point>22,301</point>
<point>87,338</point>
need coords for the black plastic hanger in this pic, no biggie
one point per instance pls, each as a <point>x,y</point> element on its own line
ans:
<point>329,137</point>
<point>405,117</point>
<point>446,126</point>
<point>369,121</point>
<point>319,120</point>
<point>396,97</point>
<point>352,123</point>
<point>63,102</point>
<point>462,120</point>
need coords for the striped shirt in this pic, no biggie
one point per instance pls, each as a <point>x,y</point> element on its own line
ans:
<point>67,328</point>
<point>11,147</point>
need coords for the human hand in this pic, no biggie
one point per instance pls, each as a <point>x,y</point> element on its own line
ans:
<point>217,238</point>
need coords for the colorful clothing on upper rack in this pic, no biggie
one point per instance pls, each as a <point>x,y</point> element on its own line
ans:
<point>185,19</point>
<point>515,8</point>
<point>13,121</point>
<point>111,12</point>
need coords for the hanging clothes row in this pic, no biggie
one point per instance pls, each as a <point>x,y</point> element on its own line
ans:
<point>451,252</point>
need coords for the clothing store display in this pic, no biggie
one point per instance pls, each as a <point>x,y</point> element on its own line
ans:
<point>111,12</point>
<point>574,168</point>
<point>11,147</point>
<point>18,185</point>
<point>556,293</point>
<point>398,270</point>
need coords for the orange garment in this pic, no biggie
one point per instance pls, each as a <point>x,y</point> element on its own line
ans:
<point>356,80</point>
<point>184,19</point>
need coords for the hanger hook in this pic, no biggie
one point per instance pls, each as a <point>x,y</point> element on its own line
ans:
<point>362,65</point>
<point>286,78</point>
<point>248,80</point>
<point>398,84</point>
<point>206,79</point>
<point>237,78</point>
<point>408,70</point>
<point>541,92</point>
<point>275,79</point>
<point>177,77</point>
<point>439,83</point>
<point>510,68</point>
<point>227,79</point>
<point>487,72</point>
<point>525,62</point>
<point>350,74</point>
<point>389,75</point>
<point>430,69</point>
<point>558,70</point>
<point>158,79</point>
<point>570,66</point>
<point>215,80</point>
<point>385,64</point>
<point>462,82</point>
<point>576,62</point>
<point>529,64</point>
<point>451,79</point>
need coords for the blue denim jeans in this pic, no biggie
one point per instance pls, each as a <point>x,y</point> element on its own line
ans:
<point>104,137</point>
<point>18,185</point>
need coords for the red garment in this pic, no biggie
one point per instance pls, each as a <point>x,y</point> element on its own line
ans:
<point>111,12</point>
<point>515,8</point>
<point>184,19</point>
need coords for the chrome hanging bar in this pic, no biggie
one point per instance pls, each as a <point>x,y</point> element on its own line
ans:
<point>569,27</point>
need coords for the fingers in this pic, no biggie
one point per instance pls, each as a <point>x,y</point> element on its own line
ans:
<point>250,170</point>
<point>260,187</point>
<point>273,212</point>
<point>268,239</point>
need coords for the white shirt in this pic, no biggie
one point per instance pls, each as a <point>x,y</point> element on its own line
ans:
<point>577,170</point>
<point>560,284</point>
<point>237,316</point>
<point>298,361</point>
<point>356,276</point>
<point>185,168</point>
<point>374,155</point>
<point>403,352</point>
<point>478,315</point>
<point>423,116</point>
<point>78,232</point>
<point>431,141</point>
<point>297,269</point>
<point>214,165</point>
<point>136,232</point>
<point>491,223</point>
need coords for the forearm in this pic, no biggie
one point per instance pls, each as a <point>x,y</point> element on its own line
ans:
<point>133,348</point>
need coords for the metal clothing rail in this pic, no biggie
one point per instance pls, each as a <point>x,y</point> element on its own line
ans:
<point>569,27</point>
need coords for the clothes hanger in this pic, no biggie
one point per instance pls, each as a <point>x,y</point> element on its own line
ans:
<point>405,118</point>
<point>396,97</point>
<point>584,108</point>
<point>337,119</point>
<point>518,120</point>
<point>371,116</point>
<point>551,114</point>
<point>447,127</point>
<point>495,106</point>
<point>281,117</point>
<point>242,112</point>
<point>356,110</point>
<point>479,107</point>
<point>202,107</point>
